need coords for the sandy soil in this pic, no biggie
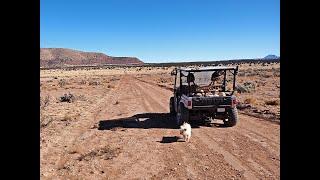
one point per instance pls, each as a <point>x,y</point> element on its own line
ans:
<point>120,128</point>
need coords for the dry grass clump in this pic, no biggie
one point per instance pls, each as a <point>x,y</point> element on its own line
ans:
<point>114,79</point>
<point>276,74</point>
<point>94,83</point>
<point>62,82</point>
<point>265,75</point>
<point>241,74</point>
<point>44,102</point>
<point>110,86</point>
<point>250,100</point>
<point>81,97</point>
<point>246,87</point>
<point>45,120</point>
<point>83,82</point>
<point>68,117</point>
<point>162,80</point>
<point>272,102</point>
<point>106,153</point>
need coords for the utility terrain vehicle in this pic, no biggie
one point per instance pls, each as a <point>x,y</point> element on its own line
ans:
<point>204,94</point>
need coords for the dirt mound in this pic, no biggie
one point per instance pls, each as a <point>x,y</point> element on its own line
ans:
<point>57,57</point>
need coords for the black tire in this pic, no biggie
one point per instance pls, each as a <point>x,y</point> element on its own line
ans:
<point>185,114</point>
<point>232,117</point>
<point>172,111</point>
<point>182,115</point>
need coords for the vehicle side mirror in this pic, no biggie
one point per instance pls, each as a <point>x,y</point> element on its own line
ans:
<point>173,73</point>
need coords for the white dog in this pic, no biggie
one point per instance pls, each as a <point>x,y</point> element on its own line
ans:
<point>185,130</point>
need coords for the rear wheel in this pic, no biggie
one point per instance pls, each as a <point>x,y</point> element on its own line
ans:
<point>172,111</point>
<point>178,116</point>
<point>182,115</point>
<point>232,117</point>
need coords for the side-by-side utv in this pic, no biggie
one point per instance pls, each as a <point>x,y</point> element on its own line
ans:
<point>204,94</point>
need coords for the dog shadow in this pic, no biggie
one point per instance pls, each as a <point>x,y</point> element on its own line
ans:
<point>171,139</point>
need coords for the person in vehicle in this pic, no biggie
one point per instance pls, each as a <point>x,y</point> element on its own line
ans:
<point>215,77</point>
<point>192,85</point>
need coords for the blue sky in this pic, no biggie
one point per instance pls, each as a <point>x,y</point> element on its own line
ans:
<point>164,30</point>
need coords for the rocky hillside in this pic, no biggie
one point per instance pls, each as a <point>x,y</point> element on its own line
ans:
<point>57,57</point>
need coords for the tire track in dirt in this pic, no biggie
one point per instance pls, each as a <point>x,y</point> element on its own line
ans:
<point>270,146</point>
<point>158,103</point>
<point>186,155</point>
<point>228,157</point>
<point>138,160</point>
<point>155,98</point>
<point>150,104</point>
<point>260,127</point>
<point>245,153</point>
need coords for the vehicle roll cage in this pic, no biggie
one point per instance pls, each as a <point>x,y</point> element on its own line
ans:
<point>232,70</point>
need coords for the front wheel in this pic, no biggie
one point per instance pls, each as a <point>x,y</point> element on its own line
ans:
<point>232,117</point>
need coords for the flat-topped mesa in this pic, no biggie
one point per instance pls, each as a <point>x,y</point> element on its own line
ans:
<point>57,57</point>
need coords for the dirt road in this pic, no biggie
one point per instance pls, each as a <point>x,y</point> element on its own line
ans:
<point>128,134</point>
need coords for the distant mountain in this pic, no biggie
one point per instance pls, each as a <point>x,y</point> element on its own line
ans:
<point>271,57</point>
<point>57,57</point>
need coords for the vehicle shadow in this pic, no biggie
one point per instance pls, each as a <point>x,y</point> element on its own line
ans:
<point>143,121</point>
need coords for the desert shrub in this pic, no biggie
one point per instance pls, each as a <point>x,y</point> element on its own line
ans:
<point>81,97</point>
<point>276,74</point>
<point>242,106</point>
<point>67,98</point>
<point>250,100</point>
<point>83,82</point>
<point>45,120</point>
<point>106,153</point>
<point>247,87</point>
<point>261,83</point>
<point>114,79</point>
<point>67,117</point>
<point>62,82</point>
<point>94,83</point>
<point>250,85</point>
<point>110,86</point>
<point>241,89</point>
<point>240,74</point>
<point>162,80</point>
<point>44,102</point>
<point>272,102</point>
<point>265,75</point>
<point>252,73</point>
